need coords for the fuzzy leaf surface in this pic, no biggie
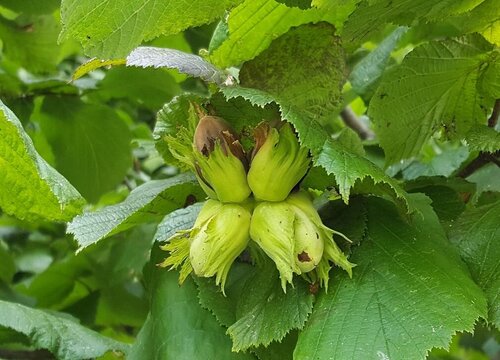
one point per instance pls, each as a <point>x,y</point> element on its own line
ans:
<point>254,24</point>
<point>304,67</point>
<point>29,188</point>
<point>58,333</point>
<point>409,293</point>
<point>189,64</point>
<point>476,234</point>
<point>112,28</point>
<point>433,88</point>
<point>145,203</point>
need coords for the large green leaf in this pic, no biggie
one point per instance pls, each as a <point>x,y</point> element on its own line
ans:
<point>31,6</point>
<point>112,28</point>
<point>409,293</point>
<point>58,333</point>
<point>304,67</point>
<point>371,16</point>
<point>29,188</point>
<point>476,234</point>
<point>178,327</point>
<point>150,201</point>
<point>90,143</point>
<point>433,88</point>
<point>32,42</point>
<point>255,23</point>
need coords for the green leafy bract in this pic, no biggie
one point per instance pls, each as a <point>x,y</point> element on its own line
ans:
<point>476,234</point>
<point>409,293</point>
<point>40,191</point>
<point>59,333</point>
<point>147,202</point>
<point>112,28</point>
<point>433,88</point>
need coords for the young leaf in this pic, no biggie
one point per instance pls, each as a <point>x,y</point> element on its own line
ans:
<point>178,114</point>
<point>476,234</point>
<point>409,293</point>
<point>29,188</point>
<point>366,74</point>
<point>483,138</point>
<point>58,333</point>
<point>112,28</point>
<point>94,64</point>
<point>189,64</point>
<point>434,87</point>
<point>265,313</point>
<point>255,23</point>
<point>175,316</point>
<point>310,74</point>
<point>147,202</point>
<point>90,142</point>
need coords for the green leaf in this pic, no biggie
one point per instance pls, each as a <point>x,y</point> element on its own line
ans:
<point>253,25</point>
<point>150,88</point>
<point>90,142</point>
<point>178,327</point>
<point>147,202</point>
<point>434,87</point>
<point>265,313</point>
<point>32,42</point>
<point>112,28</point>
<point>476,234</point>
<point>304,67</point>
<point>29,188</point>
<point>94,64</point>
<point>409,293</point>
<point>58,333</point>
<point>189,64</point>
<point>348,168</point>
<point>366,74</point>
<point>31,6</point>
<point>180,219</point>
<point>301,4</point>
<point>371,16</point>
<point>7,264</point>
<point>483,138</point>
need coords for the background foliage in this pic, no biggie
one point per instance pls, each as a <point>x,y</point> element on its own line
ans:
<point>397,101</point>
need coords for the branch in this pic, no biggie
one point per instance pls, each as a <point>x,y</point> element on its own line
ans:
<point>27,355</point>
<point>492,121</point>
<point>351,120</point>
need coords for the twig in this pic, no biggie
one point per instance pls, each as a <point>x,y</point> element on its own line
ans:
<point>25,355</point>
<point>351,120</point>
<point>492,121</point>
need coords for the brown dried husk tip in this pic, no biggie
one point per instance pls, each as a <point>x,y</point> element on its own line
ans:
<point>213,129</point>
<point>261,132</point>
